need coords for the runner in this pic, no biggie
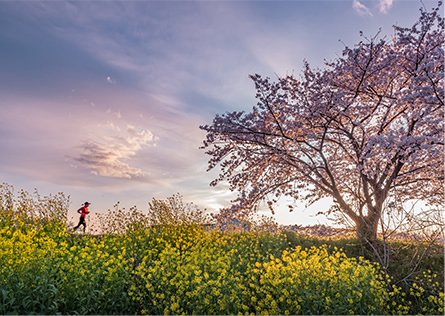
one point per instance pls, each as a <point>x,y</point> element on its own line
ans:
<point>83,211</point>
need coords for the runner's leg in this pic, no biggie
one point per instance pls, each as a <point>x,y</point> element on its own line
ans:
<point>78,225</point>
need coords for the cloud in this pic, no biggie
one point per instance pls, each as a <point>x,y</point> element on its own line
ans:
<point>385,5</point>
<point>105,162</point>
<point>360,8</point>
<point>107,157</point>
<point>110,125</point>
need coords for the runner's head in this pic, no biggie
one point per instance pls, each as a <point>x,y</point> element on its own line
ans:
<point>87,203</point>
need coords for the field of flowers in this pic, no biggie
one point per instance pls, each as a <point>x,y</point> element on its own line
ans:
<point>187,269</point>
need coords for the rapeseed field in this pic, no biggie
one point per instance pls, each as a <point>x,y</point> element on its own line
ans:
<point>188,269</point>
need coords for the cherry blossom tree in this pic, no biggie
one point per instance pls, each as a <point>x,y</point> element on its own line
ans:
<point>367,127</point>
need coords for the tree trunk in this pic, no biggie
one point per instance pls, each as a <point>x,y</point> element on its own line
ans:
<point>366,228</point>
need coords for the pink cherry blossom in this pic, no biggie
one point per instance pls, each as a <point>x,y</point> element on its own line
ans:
<point>368,127</point>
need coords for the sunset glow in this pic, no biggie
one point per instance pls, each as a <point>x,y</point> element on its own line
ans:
<point>103,100</point>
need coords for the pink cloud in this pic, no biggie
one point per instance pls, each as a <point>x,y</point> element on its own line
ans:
<point>360,8</point>
<point>107,156</point>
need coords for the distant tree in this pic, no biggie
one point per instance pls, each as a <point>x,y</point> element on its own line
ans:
<point>367,128</point>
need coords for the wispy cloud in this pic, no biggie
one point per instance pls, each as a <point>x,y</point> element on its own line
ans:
<point>110,125</point>
<point>106,162</point>
<point>360,8</point>
<point>385,5</point>
<point>107,157</point>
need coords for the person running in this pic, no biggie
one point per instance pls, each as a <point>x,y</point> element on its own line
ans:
<point>83,211</point>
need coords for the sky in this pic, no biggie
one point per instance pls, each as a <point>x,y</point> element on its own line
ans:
<point>103,100</point>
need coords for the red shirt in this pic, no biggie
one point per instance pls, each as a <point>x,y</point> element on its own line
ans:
<point>84,210</point>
